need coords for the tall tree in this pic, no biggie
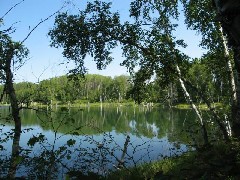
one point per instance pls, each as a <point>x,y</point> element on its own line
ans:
<point>12,54</point>
<point>201,17</point>
<point>97,30</point>
<point>229,16</point>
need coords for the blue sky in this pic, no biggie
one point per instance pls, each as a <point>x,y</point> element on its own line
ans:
<point>43,62</point>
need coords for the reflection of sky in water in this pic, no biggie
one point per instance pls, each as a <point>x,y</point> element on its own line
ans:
<point>132,124</point>
<point>149,138</point>
<point>153,128</point>
<point>140,149</point>
<point>150,127</point>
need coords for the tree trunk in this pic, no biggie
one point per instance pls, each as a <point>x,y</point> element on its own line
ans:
<point>231,24</point>
<point>230,69</point>
<point>11,92</point>
<point>15,112</point>
<point>121,162</point>
<point>15,156</point>
<point>206,100</point>
<point>236,108</point>
<point>189,100</point>
<point>231,77</point>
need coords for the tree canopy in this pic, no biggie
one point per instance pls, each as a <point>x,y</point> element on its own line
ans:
<point>147,41</point>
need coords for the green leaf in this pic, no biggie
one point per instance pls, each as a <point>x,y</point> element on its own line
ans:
<point>35,139</point>
<point>71,142</point>
<point>32,141</point>
<point>62,148</point>
<point>68,157</point>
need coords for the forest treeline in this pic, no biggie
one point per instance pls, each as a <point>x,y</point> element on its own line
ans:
<point>98,88</point>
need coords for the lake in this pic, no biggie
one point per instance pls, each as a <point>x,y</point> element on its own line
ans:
<point>95,139</point>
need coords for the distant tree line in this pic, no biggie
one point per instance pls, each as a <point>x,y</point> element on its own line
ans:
<point>98,88</point>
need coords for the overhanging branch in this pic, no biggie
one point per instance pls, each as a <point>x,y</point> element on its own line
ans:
<point>11,9</point>
<point>42,21</point>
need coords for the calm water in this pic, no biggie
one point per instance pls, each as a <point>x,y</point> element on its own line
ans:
<point>93,139</point>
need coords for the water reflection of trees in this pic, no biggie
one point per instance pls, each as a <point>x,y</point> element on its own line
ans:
<point>54,161</point>
<point>84,142</point>
<point>147,122</point>
<point>14,156</point>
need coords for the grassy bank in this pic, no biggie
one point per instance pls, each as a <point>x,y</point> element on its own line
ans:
<point>221,161</point>
<point>55,104</point>
<point>200,106</point>
<point>82,105</point>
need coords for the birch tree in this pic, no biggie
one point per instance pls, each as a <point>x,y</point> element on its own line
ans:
<point>218,21</point>
<point>148,42</point>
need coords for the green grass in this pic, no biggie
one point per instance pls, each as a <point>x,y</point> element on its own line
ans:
<point>200,106</point>
<point>94,104</point>
<point>221,161</point>
<point>145,171</point>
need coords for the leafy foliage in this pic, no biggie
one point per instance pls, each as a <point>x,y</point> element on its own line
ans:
<point>88,34</point>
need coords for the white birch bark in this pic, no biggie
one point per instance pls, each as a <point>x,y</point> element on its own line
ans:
<point>230,69</point>
<point>233,32</point>
<point>188,97</point>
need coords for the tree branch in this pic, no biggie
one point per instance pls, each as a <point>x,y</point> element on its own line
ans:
<point>42,21</point>
<point>11,9</point>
